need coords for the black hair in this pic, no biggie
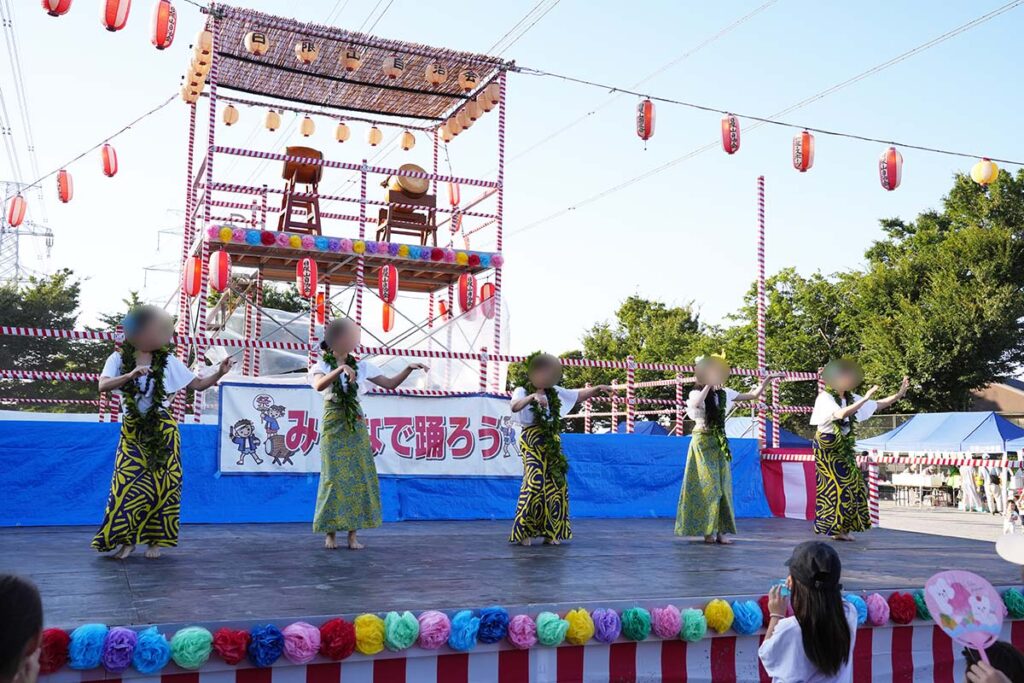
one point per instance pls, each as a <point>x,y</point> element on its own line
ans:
<point>823,625</point>
<point>139,317</point>
<point>334,328</point>
<point>542,361</point>
<point>1003,657</point>
<point>21,620</point>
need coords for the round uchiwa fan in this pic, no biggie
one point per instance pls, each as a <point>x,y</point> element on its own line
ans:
<point>966,607</point>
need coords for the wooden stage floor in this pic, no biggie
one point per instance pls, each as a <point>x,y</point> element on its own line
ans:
<point>245,572</point>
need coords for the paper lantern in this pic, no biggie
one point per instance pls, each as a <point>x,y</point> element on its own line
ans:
<point>467,291</point>
<point>493,93</point>
<point>196,79</point>
<point>306,277</point>
<point>730,134</point>
<point>388,317</point>
<point>468,79</point>
<point>306,51</point>
<point>165,18</point>
<point>351,58</point>
<point>342,133</point>
<point>230,115</point>
<point>484,102</point>
<point>442,310</point>
<point>321,308</point>
<point>387,283</point>
<point>985,171</point>
<point>188,94</point>
<point>220,270</point>
<point>445,132</point>
<point>407,141</point>
<point>203,44</point>
<point>273,120</point>
<point>16,210</point>
<point>890,169</point>
<point>55,8</point>
<point>473,110</point>
<point>436,74</point>
<point>307,127</point>
<point>201,64</point>
<point>114,13</point>
<point>454,194</point>
<point>256,43</point>
<point>803,151</point>
<point>645,119</point>
<point>109,155</point>
<point>65,186</point>
<point>192,278</point>
<point>374,137</point>
<point>487,291</point>
<point>394,65</point>
<point>463,118</point>
<point>454,127</point>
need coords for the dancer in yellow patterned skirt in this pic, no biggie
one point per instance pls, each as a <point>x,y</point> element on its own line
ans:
<point>349,495</point>
<point>841,500</point>
<point>543,506</point>
<point>145,492</point>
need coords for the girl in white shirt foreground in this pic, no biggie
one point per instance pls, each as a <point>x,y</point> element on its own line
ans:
<point>816,644</point>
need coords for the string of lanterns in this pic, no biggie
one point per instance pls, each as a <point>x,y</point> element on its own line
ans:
<point>114,17</point>
<point>307,127</point>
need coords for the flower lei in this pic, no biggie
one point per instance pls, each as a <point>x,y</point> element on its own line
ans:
<point>151,440</point>
<point>549,422</point>
<point>718,426</point>
<point>346,397</point>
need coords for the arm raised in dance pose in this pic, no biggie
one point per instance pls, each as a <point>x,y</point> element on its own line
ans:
<point>758,392</point>
<point>112,383</point>
<point>203,383</point>
<point>541,399</point>
<point>394,381</point>
<point>881,403</point>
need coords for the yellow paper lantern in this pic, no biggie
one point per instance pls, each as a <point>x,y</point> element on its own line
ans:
<point>350,58</point>
<point>196,80</point>
<point>203,44</point>
<point>463,118</point>
<point>374,137</point>
<point>473,110</point>
<point>202,63</point>
<point>394,66</point>
<point>273,120</point>
<point>342,133</point>
<point>436,74</point>
<point>454,126</point>
<point>256,43</point>
<point>407,141</point>
<point>306,51</point>
<point>307,127</point>
<point>484,102</point>
<point>188,95</point>
<point>468,79</point>
<point>985,172</point>
<point>445,132</point>
<point>230,115</point>
<point>493,93</point>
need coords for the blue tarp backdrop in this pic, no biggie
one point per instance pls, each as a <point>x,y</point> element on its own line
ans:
<point>59,473</point>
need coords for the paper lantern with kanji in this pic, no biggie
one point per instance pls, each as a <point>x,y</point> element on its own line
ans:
<point>273,121</point>
<point>220,270</point>
<point>65,186</point>
<point>890,168</point>
<point>192,278</point>
<point>16,210</point>
<point>407,141</point>
<point>230,115</point>
<point>342,133</point>
<point>114,13</point>
<point>468,79</point>
<point>463,118</point>
<point>985,172</point>
<point>109,155</point>
<point>387,283</point>
<point>306,277</point>
<point>321,308</point>
<point>307,127</point>
<point>203,44</point>
<point>306,51</point>
<point>484,102</point>
<point>351,58</point>
<point>374,136</point>
<point>55,8</point>
<point>165,18</point>
<point>454,194</point>
<point>436,74</point>
<point>645,119</point>
<point>467,291</point>
<point>493,93</point>
<point>487,291</point>
<point>394,66</point>
<point>803,151</point>
<point>388,317</point>
<point>473,110</point>
<point>256,43</point>
<point>730,134</point>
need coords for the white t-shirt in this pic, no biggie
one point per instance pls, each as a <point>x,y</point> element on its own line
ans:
<point>365,370</point>
<point>695,407</point>
<point>825,406</point>
<point>177,376</point>
<point>784,659</point>
<point>525,417</point>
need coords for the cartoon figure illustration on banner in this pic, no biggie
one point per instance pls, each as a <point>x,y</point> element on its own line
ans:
<point>243,434</point>
<point>270,417</point>
<point>508,436</point>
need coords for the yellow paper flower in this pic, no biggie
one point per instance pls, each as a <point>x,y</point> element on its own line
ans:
<point>295,242</point>
<point>403,250</point>
<point>225,234</point>
<point>719,615</point>
<point>581,626</point>
<point>359,247</point>
<point>462,258</point>
<point>369,634</point>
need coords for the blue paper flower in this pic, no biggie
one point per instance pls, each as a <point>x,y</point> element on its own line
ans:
<point>152,652</point>
<point>747,617</point>
<point>862,607</point>
<point>414,251</point>
<point>321,243</point>
<point>266,645</point>
<point>493,624</point>
<point>252,237</point>
<point>86,646</point>
<point>464,630</point>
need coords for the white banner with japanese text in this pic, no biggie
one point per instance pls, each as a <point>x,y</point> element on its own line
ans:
<point>275,429</point>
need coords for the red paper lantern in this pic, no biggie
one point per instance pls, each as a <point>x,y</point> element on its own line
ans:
<point>387,283</point>
<point>467,291</point>
<point>306,277</point>
<point>388,317</point>
<point>65,186</point>
<point>192,278</point>
<point>487,291</point>
<point>55,8</point>
<point>890,169</point>
<point>442,309</point>
<point>803,151</point>
<point>109,155</point>
<point>454,194</point>
<point>165,18</point>
<point>220,270</point>
<point>645,119</point>
<point>730,134</point>
<point>114,13</point>
<point>321,308</point>
<point>16,210</point>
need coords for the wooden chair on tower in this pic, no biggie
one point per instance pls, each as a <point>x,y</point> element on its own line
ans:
<point>299,213</point>
<point>417,220</point>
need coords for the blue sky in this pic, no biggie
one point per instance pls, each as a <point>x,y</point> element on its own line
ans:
<point>685,234</point>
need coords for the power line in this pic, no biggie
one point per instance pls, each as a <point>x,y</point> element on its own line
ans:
<point>527,29</point>
<point>380,16</point>
<point>367,19</point>
<point>519,23</point>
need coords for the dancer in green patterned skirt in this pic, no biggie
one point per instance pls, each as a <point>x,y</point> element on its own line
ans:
<point>349,495</point>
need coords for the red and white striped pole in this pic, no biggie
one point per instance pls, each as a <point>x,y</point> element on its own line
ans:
<point>873,507</point>
<point>499,221</point>
<point>615,411</point>
<point>776,429</point>
<point>680,404</point>
<point>430,311</point>
<point>483,369</point>
<point>630,393</point>
<point>586,414</point>
<point>314,349</point>
<point>761,305</point>
<point>263,208</point>
<point>361,261</point>
<point>115,400</point>
<point>247,334</point>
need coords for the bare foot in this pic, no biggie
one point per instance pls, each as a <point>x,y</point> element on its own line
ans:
<point>552,541</point>
<point>528,541</point>
<point>330,542</point>
<point>842,537</point>
<point>124,552</point>
<point>353,544</point>
<point>153,552</point>
<point>710,540</point>
<point>722,540</point>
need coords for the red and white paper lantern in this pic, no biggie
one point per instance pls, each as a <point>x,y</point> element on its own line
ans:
<point>55,8</point>
<point>890,169</point>
<point>16,210</point>
<point>387,283</point>
<point>220,270</point>
<point>165,18</point>
<point>321,308</point>
<point>645,119</point>
<point>114,13</point>
<point>388,317</point>
<point>109,155</point>
<point>306,277</point>
<point>730,134</point>
<point>65,186</point>
<point>442,310</point>
<point>803,151</point>
<point>192,278</point>
<point>487,291</point>
<point>467,291</point>
<point>454,194</point>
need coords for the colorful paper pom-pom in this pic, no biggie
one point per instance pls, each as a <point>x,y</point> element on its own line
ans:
<point>902,608</point>
<point>415,252</point>
<point>238,234</point>
<point>383,248</point>
<point>359,247</point>
<point>54,650</point>
<point>334,245</point>
<point>371,247</point>
<point>191,647</point>
<point>426,254</point>
<point>493,625</point>
<point>461,258</point>
<point>308,241</point>
<point>225,235</point>
<point>86,647</point>
<point>551,629</point>
<point>213,232</point>
<point>522,631</point>
<point>403,250</point>
<point>435,627</point>
<point>666,621</point>
<point>473,260</point>
<point>337,639</point>
<point>301,642</point>
<point>636,623</point>
<point>862,607</point>
<point>695,625</point>
<point>400,631</point>
<point>436,254</point>
<point>152,652</point>
<point>747,617</point>
<point>295,242</point>
<point>252,237</point>
<point>497,260</point>
<point>231,644</point>
<point>266,238</point>
<point>719,615</point>
<point>393,249</point>
<point>118,648</point>
<point>607,625</point>
<point>762,602</point>
<point>484,261</point>
<point>369,634</point>
<point>283,239</point>
<point>346,245</point>
<point>581,626</point>
<point>878,609</point>
<point>321,242</point>
<point>449,256</point>
<point>464,630</point>
<point>1012,598</point>
<point>266,645</point>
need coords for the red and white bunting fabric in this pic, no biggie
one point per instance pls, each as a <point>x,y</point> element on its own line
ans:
<point>55,8</point>
<point>16,208</point>
<point>467,292</point>
<point>65,186</point>
<point>192,279</point>
<point>114,13</point>
<point>306,277</point>
<point>890,169</point>
<point>109,155</point>
<point>220,270</point>
<point>790,487</point>
<point>165,19</point>
<point>387,283</point>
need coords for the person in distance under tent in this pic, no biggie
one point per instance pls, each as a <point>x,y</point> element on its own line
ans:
<point>705,500</point>
<point>841,500</point>
<point>543,506</point>
<point>145,492</point>
<point>349,495</point>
